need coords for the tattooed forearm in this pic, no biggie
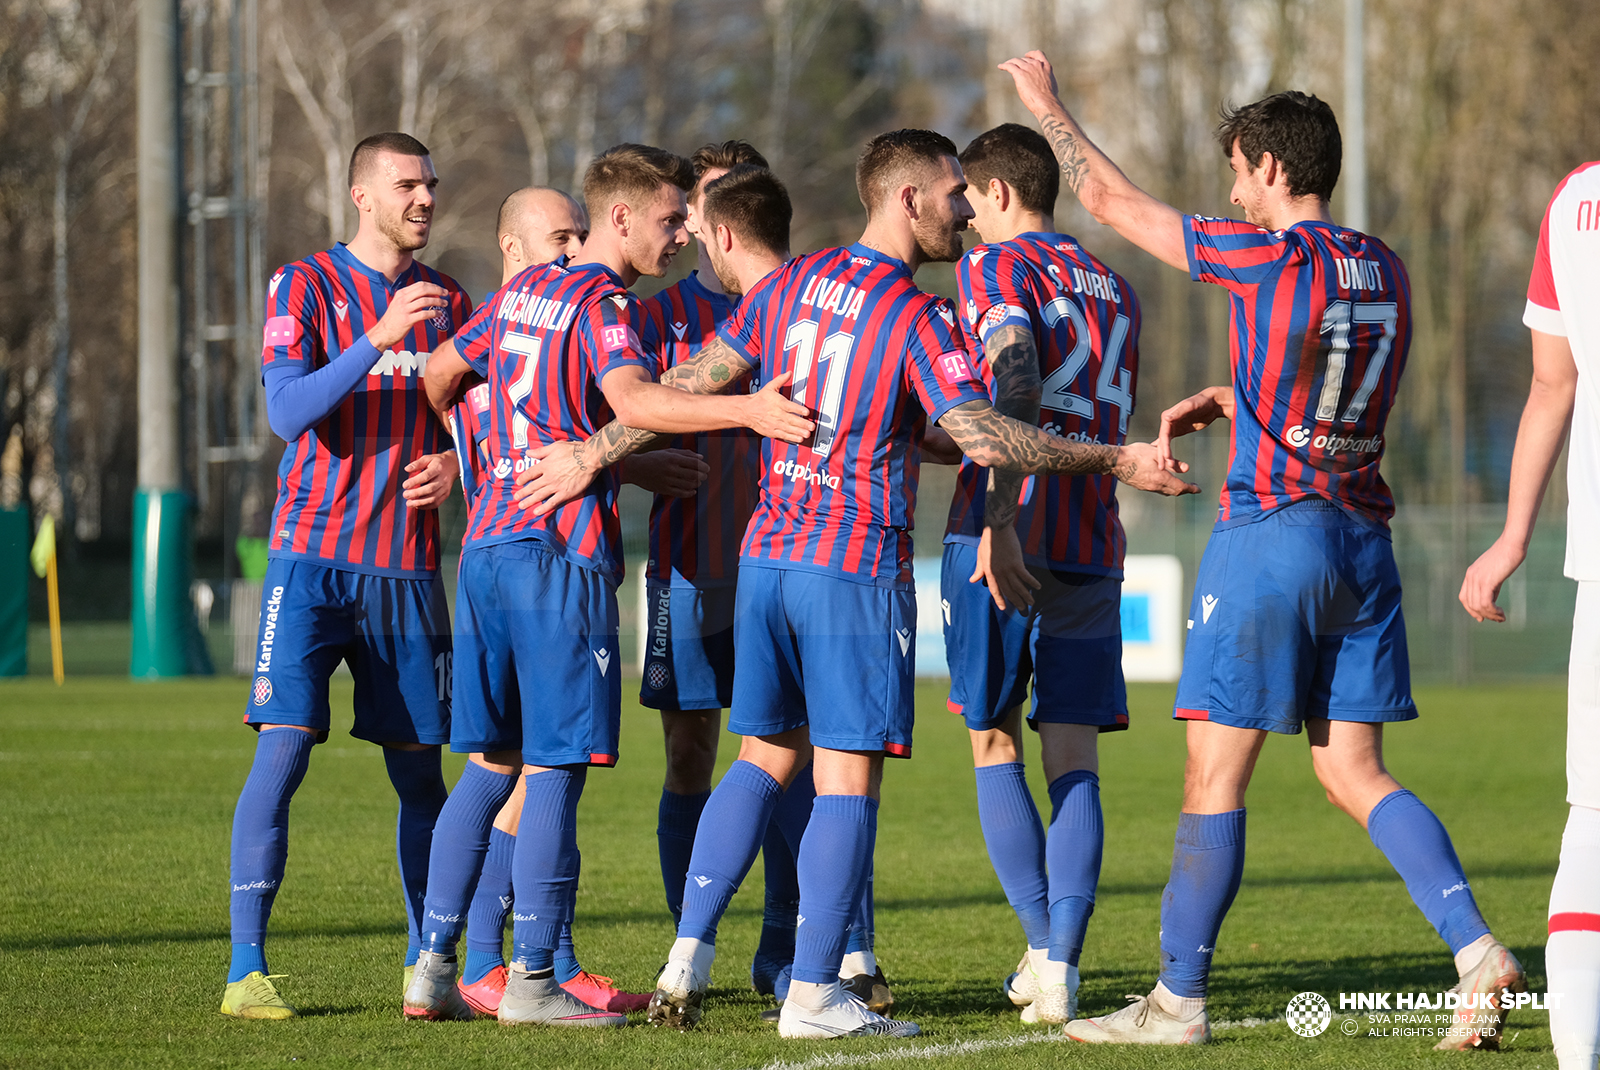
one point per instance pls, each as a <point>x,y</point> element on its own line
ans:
<point>710,371</point>
<point>997,442</point>
<point>1067,141</point>
<point>1015,359</point>
<point>611,444</point>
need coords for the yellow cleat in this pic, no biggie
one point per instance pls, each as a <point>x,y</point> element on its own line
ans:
<point>254,997</point>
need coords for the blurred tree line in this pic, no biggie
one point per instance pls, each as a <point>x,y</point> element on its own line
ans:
<point>1476,108</point>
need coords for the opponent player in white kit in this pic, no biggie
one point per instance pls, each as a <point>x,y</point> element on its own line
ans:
<point>1564,316</point>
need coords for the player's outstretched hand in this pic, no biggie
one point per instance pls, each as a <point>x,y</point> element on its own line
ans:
<point>1139,466</point>
<point>1190,415</point>
<point>1001,568</point>
<point>772,415</point>
<point>1035,80</point>
<point>409,307</point>
<point>675,473</point>
<point>1482,584</point>
<point>430,479</point>
<point>552,476</point>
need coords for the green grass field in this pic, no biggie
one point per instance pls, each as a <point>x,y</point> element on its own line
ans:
<point>116,800</point>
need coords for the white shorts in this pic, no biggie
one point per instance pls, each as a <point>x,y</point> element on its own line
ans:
<point>1583,700</point>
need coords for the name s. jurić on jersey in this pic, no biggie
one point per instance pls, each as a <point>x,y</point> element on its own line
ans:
<point>543,346</point>
<point>695,541</point>
<point>875,359</point>
<point>1084,319</point>
<point>1321,326</point>
<point>339,484</point>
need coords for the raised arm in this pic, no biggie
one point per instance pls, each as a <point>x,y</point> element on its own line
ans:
<point>996,441</point>
<point>1545,421</point>
<point>1107,193</point>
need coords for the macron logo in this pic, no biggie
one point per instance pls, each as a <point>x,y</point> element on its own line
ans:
<point>905,640</point>
<point>602,658</point>
<point>341,309</point>
<point>1207,604</point>
<point>702,881</point>
<point>678,329</point>
<point>944,603</point>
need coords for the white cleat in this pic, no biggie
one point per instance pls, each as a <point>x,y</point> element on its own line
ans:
<point>1055,1004</point>
<point>1478,1027</point>
<point>1142,1021</point>
<point>843,1015</point>
<point>680,991</point>
<point>431,992</point>
<point>541,1001</point>
<point>1022,987</point>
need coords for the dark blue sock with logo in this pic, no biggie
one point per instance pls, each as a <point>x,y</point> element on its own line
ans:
<point>1073,847</point>
<point>260,845</point>
<point>460,842</point>
<point>418,780</point>
<point>677,817</point>
<point>1014,836</point>
<point>1207,862</point>
<point>1416,844</point>
<point>491,902</point>
<point>735,820</point>
<point>544,869</point>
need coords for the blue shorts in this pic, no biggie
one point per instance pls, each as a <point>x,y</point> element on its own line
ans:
<point>688,655</point>
<point>539,671</point>
<point>1296,616</point>
<point>819,651</point>
<point>393,633</point>
<point>1070,643</point>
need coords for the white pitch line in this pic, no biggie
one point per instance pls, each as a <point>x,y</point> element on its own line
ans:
<point>961,1047</point>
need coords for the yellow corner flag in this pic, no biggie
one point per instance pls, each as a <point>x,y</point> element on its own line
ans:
<point>43,558</point>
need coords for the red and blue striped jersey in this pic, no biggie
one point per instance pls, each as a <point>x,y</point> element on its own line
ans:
<point>875,359</point>
<point>1321,330</point>
<point>339,483</point>
<point>543,346</point>
<point>469,426</point>
<point>1084,319</point>
<point>695,541</point>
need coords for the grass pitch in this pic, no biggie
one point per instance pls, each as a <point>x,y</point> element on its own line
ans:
<point>116,800</point>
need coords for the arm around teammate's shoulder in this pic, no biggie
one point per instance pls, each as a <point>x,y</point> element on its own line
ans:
<point>1106,193</point>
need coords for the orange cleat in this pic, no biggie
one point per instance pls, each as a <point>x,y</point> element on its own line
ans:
<point>599,993</point>
<point>484,996</point>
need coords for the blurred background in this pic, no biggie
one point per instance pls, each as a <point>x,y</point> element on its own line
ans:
<point>1474,110</point>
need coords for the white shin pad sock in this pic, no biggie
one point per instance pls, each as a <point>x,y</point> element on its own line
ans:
<point>1572,954</point>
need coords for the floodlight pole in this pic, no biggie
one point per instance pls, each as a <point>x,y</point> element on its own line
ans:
<point>1355,115</point>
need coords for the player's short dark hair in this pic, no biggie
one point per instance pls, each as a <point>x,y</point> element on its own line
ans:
<point>631,173</point>
<point>368,149</point>
<point>725,156</point>
<point>751,202</point>
<point>1300,132</point>
<point>887,157</point>
<point>1020,157</point>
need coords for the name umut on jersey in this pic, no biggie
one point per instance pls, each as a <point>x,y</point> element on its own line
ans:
<point>1321,329</point>
<point>542,348</point>
<point>875,359</point>
<point>695,541</point>
<point>1084,319</point>
<point>339,483</point>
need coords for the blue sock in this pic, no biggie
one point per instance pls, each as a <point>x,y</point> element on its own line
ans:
<point>419,781</point>
<point>676,819</point>
<point>736,818</point>
<point>793,811</point>
<point>1073,847</point>
<point>834,862</point>
<point>491,902</point>
<point>460,843</point>
<point>545,866</point>
<point>261,842</point>
<point>861,936</point>
<point>1207,861</point>
<point>782,905</point>
<point>1015,837</point>
<point>566,953</point>
<point>1416,844</point>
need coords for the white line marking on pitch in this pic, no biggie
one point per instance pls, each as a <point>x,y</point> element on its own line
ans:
<point>962,1047</point>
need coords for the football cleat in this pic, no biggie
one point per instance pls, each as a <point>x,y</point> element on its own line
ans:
<point>1022,987</point>
<point>772,1014</point>
<point>1055,1004</point>
<point>600,993</point>
<point>678,996</point>
<point>1142,1021</point>
<point>432,994</point>
<point>541,1001</point>
<point>484,996</point>
<point>405,979</point>
<point>1478,1027</point>
<point>255,997</point>
<point>844,1016</point>
<point>871,989</point>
